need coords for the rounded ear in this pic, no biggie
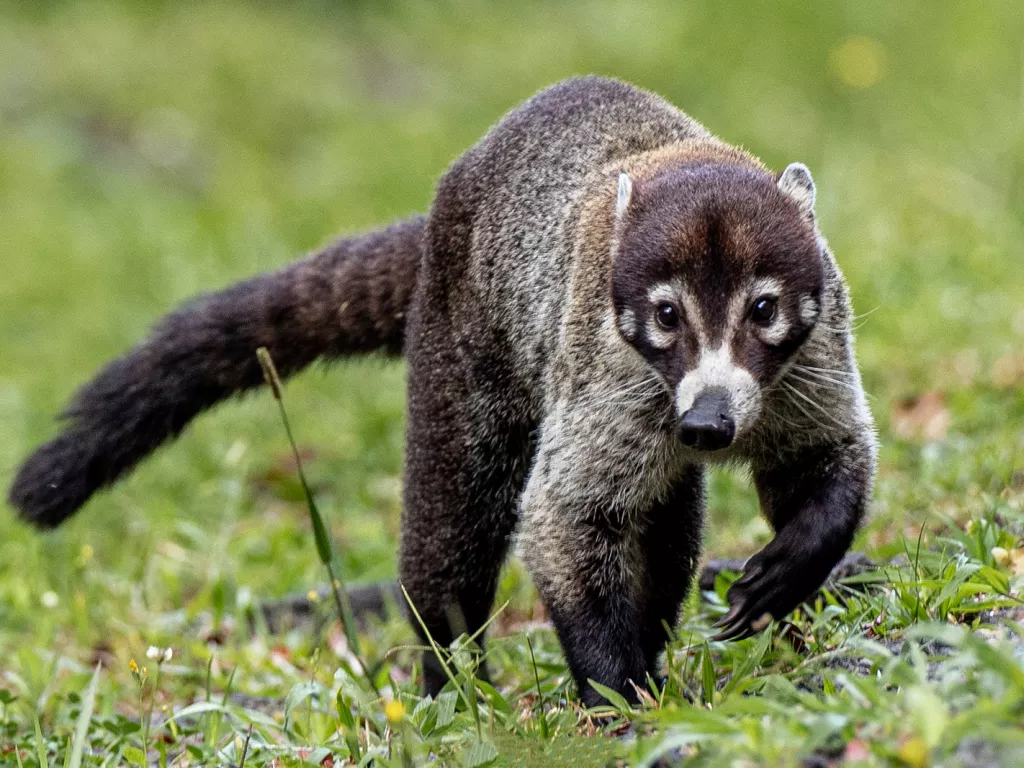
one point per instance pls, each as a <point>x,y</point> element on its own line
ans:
<point>624,196</point>
<point>796,182</point>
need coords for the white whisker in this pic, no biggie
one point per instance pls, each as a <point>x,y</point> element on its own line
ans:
<point>823,379</point>
<point>849,327</point>
<point>631,394</point>
<point>820,380</point>
<point>776,415</point>
<point>809,416</point>
<point>835,371</point>
<point>834,328</point>
<point>815,403</point>
<point>866,314</point>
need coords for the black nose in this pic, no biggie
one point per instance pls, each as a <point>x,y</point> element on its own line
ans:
<point>707,426</point>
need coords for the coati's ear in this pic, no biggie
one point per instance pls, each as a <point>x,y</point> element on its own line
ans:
<point>796,182</point>
<point>624,196</point>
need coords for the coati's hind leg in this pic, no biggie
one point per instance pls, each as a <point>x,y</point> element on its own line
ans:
<point>467,439</point>
<point>465,466</point>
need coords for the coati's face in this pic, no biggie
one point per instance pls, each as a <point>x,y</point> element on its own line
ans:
<point>717,282</point>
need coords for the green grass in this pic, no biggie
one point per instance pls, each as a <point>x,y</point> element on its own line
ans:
<point>152,151</point>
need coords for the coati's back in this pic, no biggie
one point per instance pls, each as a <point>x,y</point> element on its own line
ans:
<point>524,183</point>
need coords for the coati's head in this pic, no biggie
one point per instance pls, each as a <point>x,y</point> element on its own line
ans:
<point>717,281</point>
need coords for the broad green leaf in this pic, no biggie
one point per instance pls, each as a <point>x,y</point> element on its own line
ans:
<point>348,725</point>
<point>446,701</point>
<point>749,662</point>
<point>616,699</point>
<point>203,707</point>
<point>135,755</point>
<point>928,713</point>
<point>299,694</point>
<point>996,578</point>
<point>828,687</point>
<point>494,696</point>
<point>481,753</point>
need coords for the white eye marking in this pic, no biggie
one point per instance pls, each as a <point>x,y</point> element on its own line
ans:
<point>662,292</point>
<point>658,294</point>
<point>627,323</point>
<point>765,286</point>
<point>689,311</point>
<point>717,369</point>
<point>809,309</point>
<point>657,336</point>
<point>776,332</point>
<point>624,195</point>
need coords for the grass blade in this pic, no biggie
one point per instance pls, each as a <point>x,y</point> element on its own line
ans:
<point>615,699</point>
<point>41,747</point>
<point>84,718</point>
<point>323,541</point>
<point>708,675</point>
<point>541,714</point>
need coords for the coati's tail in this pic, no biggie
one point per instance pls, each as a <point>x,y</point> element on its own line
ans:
<point>350,298</point>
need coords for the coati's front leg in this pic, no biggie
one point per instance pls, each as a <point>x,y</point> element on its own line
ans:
<point>611,539</point>
<point>815,503</point>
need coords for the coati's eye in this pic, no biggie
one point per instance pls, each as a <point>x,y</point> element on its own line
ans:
<point>763,311</point>
<point>667,316</point>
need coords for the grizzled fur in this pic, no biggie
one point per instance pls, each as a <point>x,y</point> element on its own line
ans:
<point>605,298</point>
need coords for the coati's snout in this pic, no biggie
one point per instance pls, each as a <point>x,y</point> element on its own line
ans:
<point>716,400</point>
<point>708,425</point>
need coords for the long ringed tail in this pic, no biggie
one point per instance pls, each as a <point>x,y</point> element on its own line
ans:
<point>350,298</point>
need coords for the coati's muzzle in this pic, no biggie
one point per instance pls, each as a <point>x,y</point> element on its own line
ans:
<point>716,401</point>
<point>708,424</point>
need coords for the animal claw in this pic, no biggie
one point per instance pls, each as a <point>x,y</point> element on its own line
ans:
<point>749,576</point>
<point>729,617</point>
<point>736,631</point>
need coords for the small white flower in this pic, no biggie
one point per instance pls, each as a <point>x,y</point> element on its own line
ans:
<point>159,655</point>
<point>49,599</point>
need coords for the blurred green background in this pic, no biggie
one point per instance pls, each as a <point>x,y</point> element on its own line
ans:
<point>152,151</point>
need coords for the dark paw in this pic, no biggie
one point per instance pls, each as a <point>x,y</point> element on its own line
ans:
<point>760,595</point>
<point>775,581</point>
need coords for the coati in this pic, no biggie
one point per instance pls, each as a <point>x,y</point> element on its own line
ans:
<point>603,299</point>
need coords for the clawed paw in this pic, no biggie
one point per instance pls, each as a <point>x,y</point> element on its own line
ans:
<point>768,589</point>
